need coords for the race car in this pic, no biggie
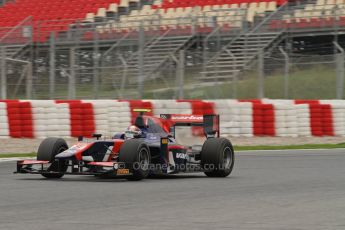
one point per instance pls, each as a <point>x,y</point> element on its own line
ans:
<point>147,148</point>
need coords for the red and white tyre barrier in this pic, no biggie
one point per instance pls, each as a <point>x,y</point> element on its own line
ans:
<point>247,118</point>
<point>4,125</point>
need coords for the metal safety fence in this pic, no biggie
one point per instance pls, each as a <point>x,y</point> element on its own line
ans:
<point>164,58</point>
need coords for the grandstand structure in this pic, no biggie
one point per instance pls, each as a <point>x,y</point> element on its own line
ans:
<point>47,47</point>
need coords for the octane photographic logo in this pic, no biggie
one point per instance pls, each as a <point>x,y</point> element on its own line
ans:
<point>177,167</point>
<point>212,167</point>
<point>121,166</point>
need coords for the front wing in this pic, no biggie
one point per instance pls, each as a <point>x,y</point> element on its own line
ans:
<point>74,168</point>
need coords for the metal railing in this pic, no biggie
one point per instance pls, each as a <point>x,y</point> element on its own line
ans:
<point>311,17</point>
<point>217,33</point>
<point>98,56</point>
<point>20,34</point>
<point>3,2</point>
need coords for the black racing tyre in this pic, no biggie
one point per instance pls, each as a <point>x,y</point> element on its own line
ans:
<point>217,157</point>
<point>136,156</point>
<point>47,151</point>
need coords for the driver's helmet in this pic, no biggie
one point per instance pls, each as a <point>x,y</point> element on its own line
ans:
<point>132,132</point>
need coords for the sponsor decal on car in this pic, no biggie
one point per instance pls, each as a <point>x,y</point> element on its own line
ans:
<point>181,156</point>
<point>187,117</point>
<point>122,171</point>
<point>151,136</point>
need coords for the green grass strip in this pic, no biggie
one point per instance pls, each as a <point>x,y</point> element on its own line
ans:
<point>286,147</point>
<point>8,155</point>
<point>237,148</point>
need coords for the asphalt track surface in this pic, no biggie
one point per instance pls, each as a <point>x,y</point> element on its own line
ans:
<point>268,190</point>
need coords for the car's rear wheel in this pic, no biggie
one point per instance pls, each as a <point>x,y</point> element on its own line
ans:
<point>217,157</point>
<point>47,151</point>
<point>136,156</point>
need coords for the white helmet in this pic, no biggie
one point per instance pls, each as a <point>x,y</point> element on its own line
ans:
<point>132,132</point>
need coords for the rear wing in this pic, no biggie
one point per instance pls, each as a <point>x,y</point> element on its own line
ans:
<point>210,122</point>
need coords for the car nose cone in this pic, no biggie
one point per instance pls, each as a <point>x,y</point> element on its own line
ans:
<point>65,154</point>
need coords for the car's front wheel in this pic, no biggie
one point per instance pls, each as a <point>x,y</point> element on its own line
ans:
<point>136,156</point>
<point>47,151</point>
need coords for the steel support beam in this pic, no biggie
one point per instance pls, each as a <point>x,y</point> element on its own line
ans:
<point>181,72</point>
<point>29,83</point>
<point>52,66</point>
<point>96,58</point>
<point>71,83</point>
<point>339,71</point>
<point>141,62</point>
<point>261,80</point>
<point>286,72</point>
<point>3,73</point>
